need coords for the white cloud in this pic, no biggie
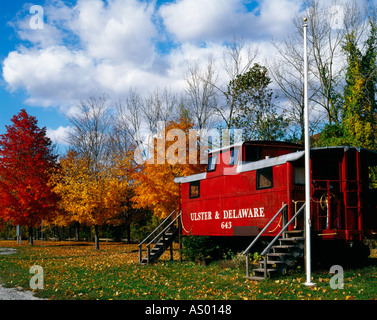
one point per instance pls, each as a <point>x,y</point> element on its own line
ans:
<point>220,20</point>
<point>97,46</point>
<point>193,20</point>
<point>121,31</point>
<point>111,44</point>
<point>50,76</point>
<point>276,16</point>
<point>55,17</point>
<point>188,53</point>
<point>60,135</point>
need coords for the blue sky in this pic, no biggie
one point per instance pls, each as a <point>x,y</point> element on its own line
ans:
<point>9,102</point>
<point>90,47</point>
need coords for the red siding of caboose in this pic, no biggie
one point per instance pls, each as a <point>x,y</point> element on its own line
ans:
<point>215,213</point>
<point>227,201</point>
<point>240,199</point>
<point>230,203</point>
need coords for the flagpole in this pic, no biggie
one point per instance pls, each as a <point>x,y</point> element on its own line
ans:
<point>307,166</point>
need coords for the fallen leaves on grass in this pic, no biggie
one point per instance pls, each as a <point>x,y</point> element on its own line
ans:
<point>77,271</point>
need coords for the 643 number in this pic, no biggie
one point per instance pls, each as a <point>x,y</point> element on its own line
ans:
<point>226,225</point>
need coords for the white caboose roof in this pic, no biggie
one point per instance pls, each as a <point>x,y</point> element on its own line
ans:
<point>269,162</point>
<point>249,166</point>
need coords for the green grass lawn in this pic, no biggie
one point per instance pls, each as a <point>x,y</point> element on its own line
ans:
<point>77,271</point>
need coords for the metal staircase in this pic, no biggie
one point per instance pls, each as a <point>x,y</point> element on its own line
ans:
<point>289,248</point>
<point>163,237</point>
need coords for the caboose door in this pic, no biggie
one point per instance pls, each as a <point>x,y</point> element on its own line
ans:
<point>327,189</point>
<point>351,187</point>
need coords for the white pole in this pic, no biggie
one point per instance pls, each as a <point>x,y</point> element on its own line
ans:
<point>307,165</point>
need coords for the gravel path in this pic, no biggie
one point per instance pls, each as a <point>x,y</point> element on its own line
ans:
<point>6,251</point>
<point>14,293</point>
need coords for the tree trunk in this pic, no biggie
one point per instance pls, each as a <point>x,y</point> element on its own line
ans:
<point>129,233</point>
<point>77,231</point>
<point>96,237</point>
<point>31,236</point>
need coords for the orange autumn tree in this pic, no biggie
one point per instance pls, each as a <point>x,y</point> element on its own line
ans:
<point>168,157</point>
<point>90,197</point>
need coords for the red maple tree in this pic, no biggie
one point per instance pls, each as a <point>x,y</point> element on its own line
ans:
<point>26,165</point>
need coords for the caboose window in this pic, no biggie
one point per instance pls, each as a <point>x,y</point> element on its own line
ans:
<point>299,175</point>
<point>212,163</point>
<point>194,189</point>
<point>264,178</point>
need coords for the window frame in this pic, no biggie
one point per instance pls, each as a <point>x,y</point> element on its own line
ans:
<point>259,172</point>
<point>212,166</point>
<point>299,176</point>
<point>193,184</point>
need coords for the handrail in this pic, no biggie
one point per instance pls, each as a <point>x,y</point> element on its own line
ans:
<point>163,231</point>
<point>156,228</point>
<point>156,237</point>
<point>264,229</point>
<point>267,249</point>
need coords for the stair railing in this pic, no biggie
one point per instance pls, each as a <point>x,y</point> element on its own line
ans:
<point>151,234</point>
<point>268,248</point>
<point>161,234</point>
<point>246,252</point>
<point>157,237</point>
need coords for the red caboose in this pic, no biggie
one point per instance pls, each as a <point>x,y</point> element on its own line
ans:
<point>257,188</point>
<point>246,184</point>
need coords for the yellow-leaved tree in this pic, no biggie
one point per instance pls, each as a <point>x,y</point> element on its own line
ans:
<point>169,157</point>
<point>91,197</point>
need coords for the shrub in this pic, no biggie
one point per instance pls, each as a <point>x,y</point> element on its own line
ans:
<point>200,249</point>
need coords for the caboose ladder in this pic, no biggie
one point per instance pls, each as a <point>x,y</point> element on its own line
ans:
<point>290,247</point>
<point>164,235</point>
